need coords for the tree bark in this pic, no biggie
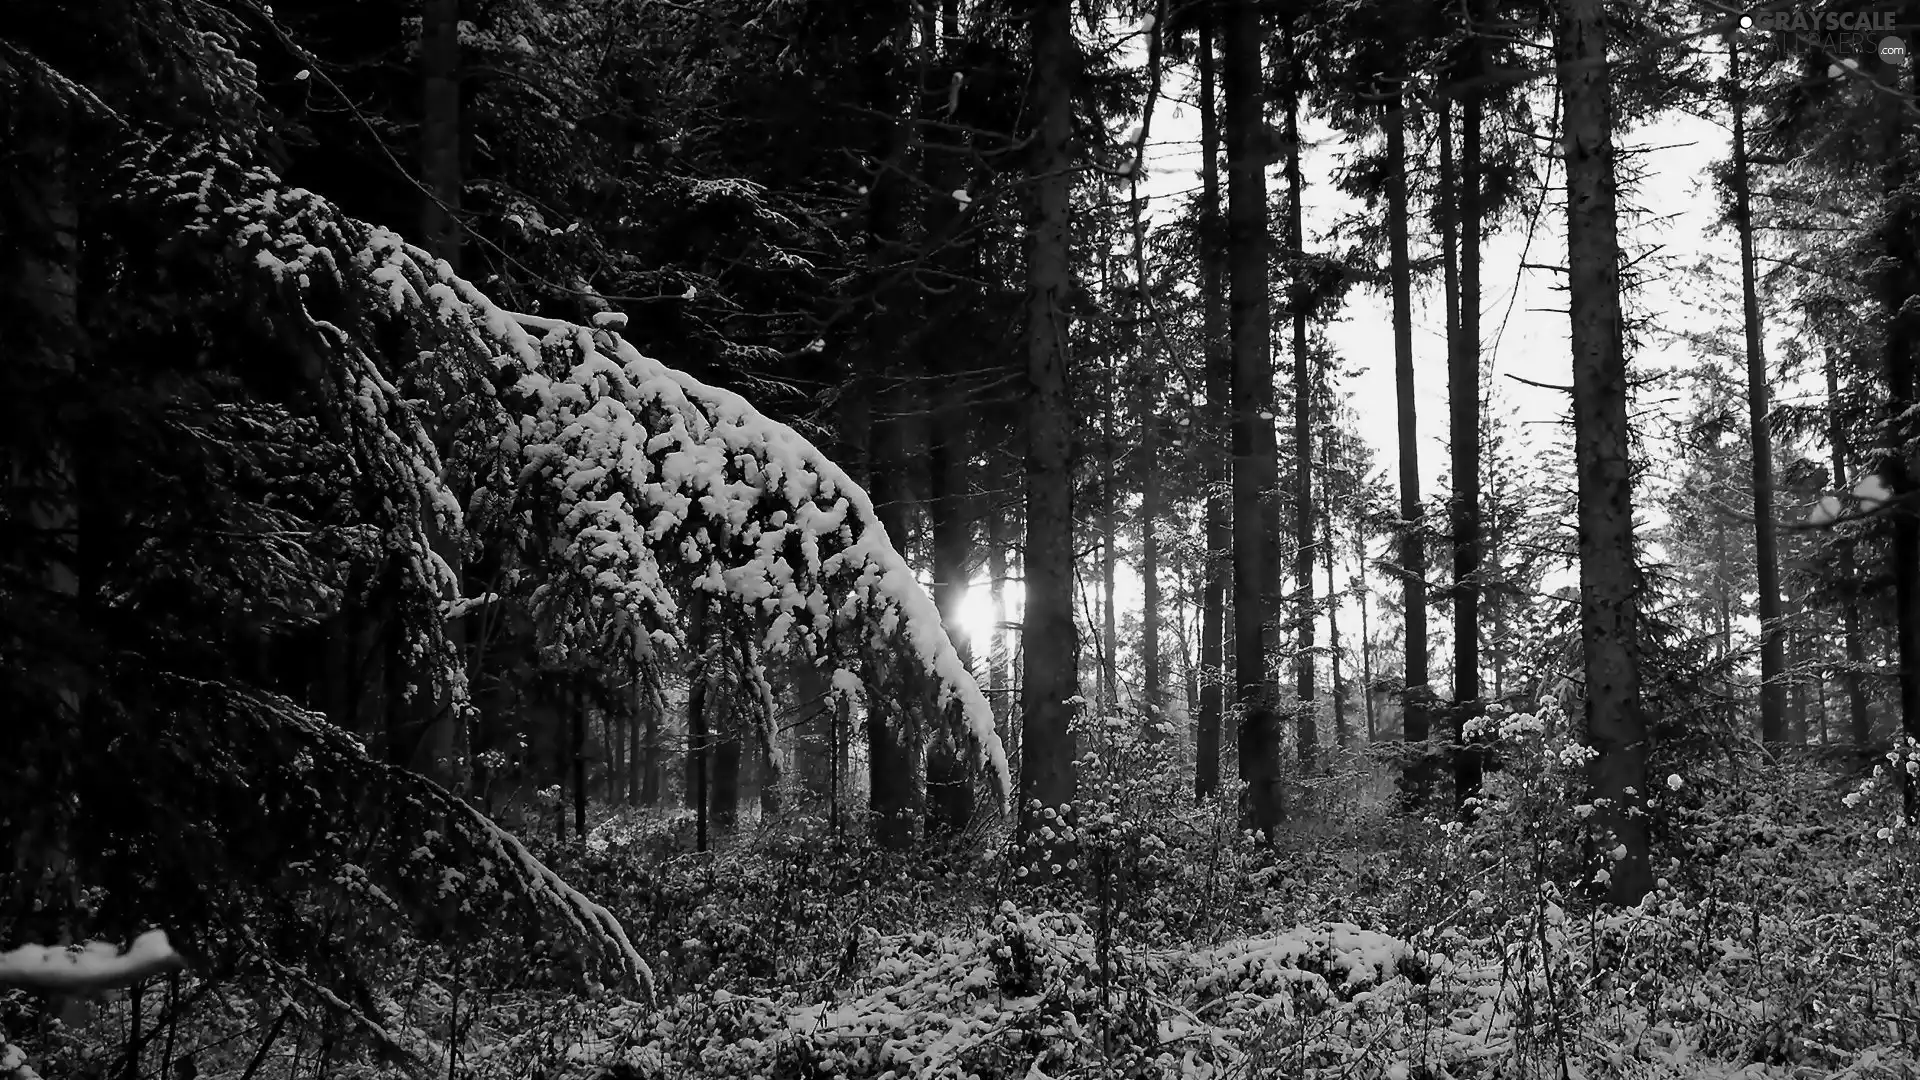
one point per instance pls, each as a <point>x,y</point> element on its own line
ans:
<point>1413,548</point>
<point>997,658</point>
<point>723,791</point>
<point>813,749</point>
<point>697,728</point>
<point>1773,661</point>
<point>1342,732</point>
<point>1256,576</point>
<point>1219,368</point>
<point>1109,692</point>
<point>1900,288</point>
<point>1307,720</point>
<point>1609,580</point>
<point>440,129</point>
<point>435,725</point>
<point>949,791</point>
<point>1050,638</point>
<point>577,753</point>
<point>1146,413</point>
<point>892,790</point>
<point>49,340</point>
<point>1361,589</point>
<point>1859,722</point>
<point>1463,401</point>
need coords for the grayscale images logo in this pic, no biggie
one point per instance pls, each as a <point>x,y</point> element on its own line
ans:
<point>1846,36</point>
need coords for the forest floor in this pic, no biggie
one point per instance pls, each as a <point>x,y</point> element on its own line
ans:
<point>1782,941</point>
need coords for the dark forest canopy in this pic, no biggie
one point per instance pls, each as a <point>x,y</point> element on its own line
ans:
<point>609,538</point>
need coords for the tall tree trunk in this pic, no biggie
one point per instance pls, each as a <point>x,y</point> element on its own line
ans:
<point>1773,662</point>
<point>892,790</point>
<point>1049,638</point>
<point>1413,546</point>
<point>1308,727</point>
<point>1152,675</point>
<point>1109,693</point>
<point>1147,409</point>
<point>1609,580</point>
<point>1219,376</point>
<point>1256,563</point>
<point>1463,401</point>
<point>1859,722</point>
<point>949,792</point>
<point>950,442</point>
<point>434,726</point>
<point>1900,287</point>
<point>49,341</point>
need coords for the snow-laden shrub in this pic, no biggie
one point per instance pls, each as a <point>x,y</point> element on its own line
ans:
<point>1022,996</point>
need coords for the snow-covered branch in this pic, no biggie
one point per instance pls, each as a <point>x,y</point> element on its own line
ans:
<point>90,969</point>
<point>640,476</point>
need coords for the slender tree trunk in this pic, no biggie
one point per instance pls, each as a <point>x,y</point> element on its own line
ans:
<point>1342,733</point>
<point>614,776</point>
<point>1413,548</point>
<point>1609,580</point>
<point>813,736</point>
<point>1499,603</point>
<point>1256,589</point>
<point>1049,638</point>
<point>1308,727</point>
<point>1147,409</point>
<point>949,792</point>
<point>577,752</point>
<point>1219,369</point>
<point>1773,665</point>
<point>1797,715</point>
<point>1859,722</point>
<point>723,791</point>
<point>1723,594</point>
<point>642,755</point>
<point>652,775</point>
<point>697,730</point>
<point>1820,695</point>
<point>1463,400</point>
<point>997,659</point>
<point>1361,589</point>
<point>1109,553</point>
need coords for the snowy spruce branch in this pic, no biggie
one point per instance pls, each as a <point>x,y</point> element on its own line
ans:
<point>645,482</point>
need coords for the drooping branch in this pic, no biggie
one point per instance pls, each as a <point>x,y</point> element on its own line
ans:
<point>640,475</point>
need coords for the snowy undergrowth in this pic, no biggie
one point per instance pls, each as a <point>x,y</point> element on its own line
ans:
<point>1363,945</point>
